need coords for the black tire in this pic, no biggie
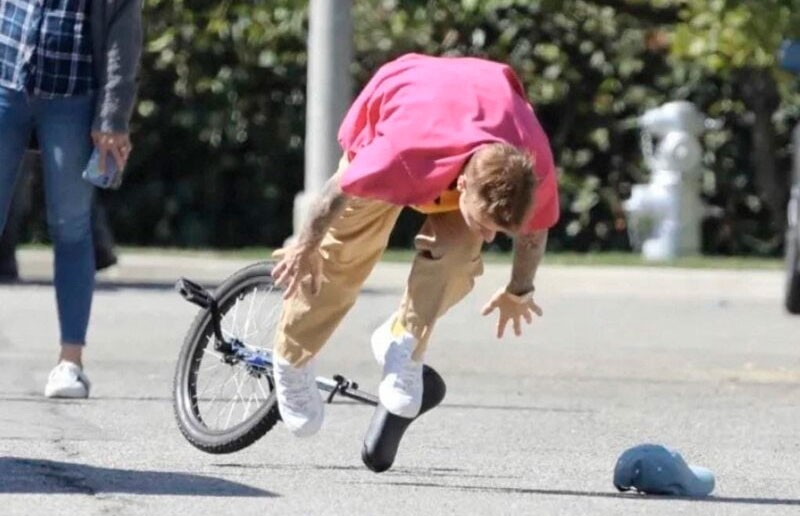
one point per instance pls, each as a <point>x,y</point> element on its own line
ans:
<point>185,396</point>
<point>793,267</point>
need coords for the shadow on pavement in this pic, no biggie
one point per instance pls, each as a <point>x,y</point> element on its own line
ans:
<point>599,494</point>
<point>36,476</point>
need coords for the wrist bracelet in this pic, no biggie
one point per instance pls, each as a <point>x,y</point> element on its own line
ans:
<point>521,298</point>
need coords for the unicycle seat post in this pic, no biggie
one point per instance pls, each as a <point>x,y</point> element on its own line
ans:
<point>201,297</point>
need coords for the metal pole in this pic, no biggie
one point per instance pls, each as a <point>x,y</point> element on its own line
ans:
<point>329,89</point>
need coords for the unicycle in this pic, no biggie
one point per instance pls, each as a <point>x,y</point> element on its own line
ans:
<point>223,392</point>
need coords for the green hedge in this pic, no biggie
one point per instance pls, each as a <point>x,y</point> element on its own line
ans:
<point>220,125</point>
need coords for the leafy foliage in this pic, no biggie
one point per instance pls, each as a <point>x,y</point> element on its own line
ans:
<point>729,34</point>
<point>220,127</point>
<point>735,44</point>
<point>220,124</point>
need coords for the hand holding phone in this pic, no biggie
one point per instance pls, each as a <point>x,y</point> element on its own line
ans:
<point>111,178</point>
<point>106,165</point>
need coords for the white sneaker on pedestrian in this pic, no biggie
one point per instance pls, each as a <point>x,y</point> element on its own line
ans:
<point>67,380</point>
<point>401,388</point>
<point>299,401</point>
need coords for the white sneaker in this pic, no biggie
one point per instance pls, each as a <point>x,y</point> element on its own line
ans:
<point>400,390</point>
<point>67,380</point>
<point>299,401</point>
<point>382,339</point>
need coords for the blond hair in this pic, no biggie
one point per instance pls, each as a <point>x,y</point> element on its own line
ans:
<point>502,180</point>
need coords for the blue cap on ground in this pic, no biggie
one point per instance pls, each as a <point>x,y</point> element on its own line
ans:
<point>656,469</point>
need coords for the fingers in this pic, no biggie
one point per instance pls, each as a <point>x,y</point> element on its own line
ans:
<point>293,269</point>
<point>287,278</point>
<point>536,309</point>
<point>517,326</point>
<point>516,321</point>
<point>316,282</point>
<point>294,282</point>
<point>277,270</point>
<point>280,274</point>
<point>488,308</point>
<point>125,149</point>
<point>116,151</point>
<point>102,163</point>
<point>117,144</point>
<point>528,317</point>
<point>501,326</point>
<point>317,278</point>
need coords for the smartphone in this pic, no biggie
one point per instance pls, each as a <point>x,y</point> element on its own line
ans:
<point>111,179</point>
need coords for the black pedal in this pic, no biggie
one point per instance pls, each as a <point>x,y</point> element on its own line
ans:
<point>386,429</point>
<point>194,293</point>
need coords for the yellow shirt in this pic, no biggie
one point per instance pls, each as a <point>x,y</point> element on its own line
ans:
<point>448,201</point>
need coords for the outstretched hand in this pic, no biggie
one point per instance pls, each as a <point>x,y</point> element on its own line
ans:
<point>295,263</point>
<point>512,308</point>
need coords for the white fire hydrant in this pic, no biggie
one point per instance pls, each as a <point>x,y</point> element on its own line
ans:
<point>664,215</point>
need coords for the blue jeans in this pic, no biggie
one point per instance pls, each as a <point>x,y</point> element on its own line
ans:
<point>63,127</point>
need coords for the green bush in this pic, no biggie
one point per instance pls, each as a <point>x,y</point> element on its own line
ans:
<point>220,124</point>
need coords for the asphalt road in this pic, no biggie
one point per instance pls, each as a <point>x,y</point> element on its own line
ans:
<point>703,361</point>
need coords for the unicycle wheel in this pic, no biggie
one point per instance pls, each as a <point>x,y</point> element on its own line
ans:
<point>224,400</point>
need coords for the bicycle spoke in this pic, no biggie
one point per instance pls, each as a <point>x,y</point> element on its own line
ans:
<point>261,387</point>
<point>238,395</point>
<point>250,312</point>
<point>217,373</point>
<point>222,387</point>
<point>250,399</point>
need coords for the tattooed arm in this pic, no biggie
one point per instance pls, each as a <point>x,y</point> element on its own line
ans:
<point>528,253</point>
<point>326,208</point>
<point>303,259</point>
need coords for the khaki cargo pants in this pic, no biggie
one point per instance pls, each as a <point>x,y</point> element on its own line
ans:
<point>444,270</point>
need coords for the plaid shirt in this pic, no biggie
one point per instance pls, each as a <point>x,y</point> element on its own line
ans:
<point>45,47</point>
